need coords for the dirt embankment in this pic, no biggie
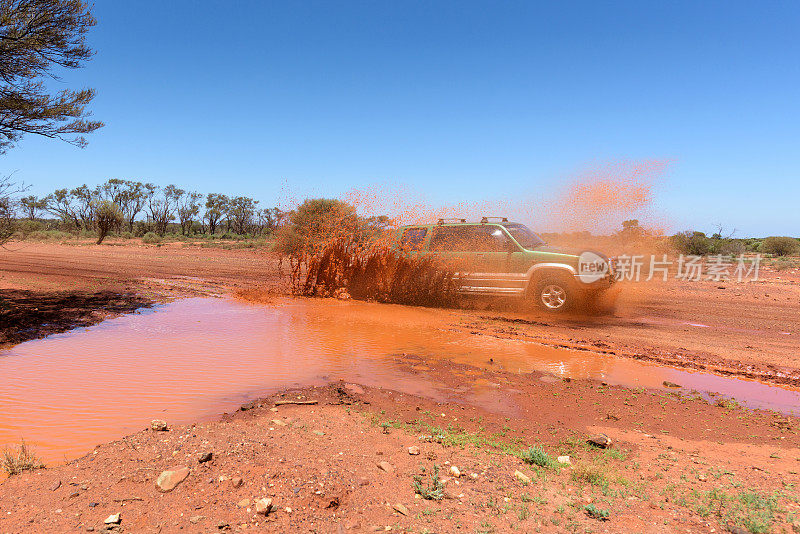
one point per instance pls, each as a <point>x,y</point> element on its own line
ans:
<point>349,462</point>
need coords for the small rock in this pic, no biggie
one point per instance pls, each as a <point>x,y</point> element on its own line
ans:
<point>159,425</point>
<point>319,432</point>
<point>668,384</point>
<point>237,482</point>
<point>264,506</point>
<point>205,457</point>
<point>113,519</point>
<point>413,450</point>
<point>701,478</point>
<point>196,519</point>
<point>55,485</point>
<point>600,440</point>
<point>563,460</point>
<point>522,477</point>
<point>244,503</point>
<point>74,494</point>
<point>278,422</point>
<point>168,480</point>
<point>454,471</point>
<point>401,509</point>
<point>362,481</point>
<point>386,466</point>
<point>288,510</point>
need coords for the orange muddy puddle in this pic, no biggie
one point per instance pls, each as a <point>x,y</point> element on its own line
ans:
<point>196,358</point>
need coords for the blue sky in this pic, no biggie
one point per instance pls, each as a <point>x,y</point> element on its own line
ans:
<point>459,101</point>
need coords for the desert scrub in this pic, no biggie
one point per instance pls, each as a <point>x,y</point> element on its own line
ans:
<point>754,511</point>
<point>436,490</point>
<point>23,460</point>
<point>536,456</point>
<point>596,513</point>
<point>151,238</point>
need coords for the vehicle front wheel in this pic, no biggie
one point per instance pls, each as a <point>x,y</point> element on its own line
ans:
<point>554,294</point>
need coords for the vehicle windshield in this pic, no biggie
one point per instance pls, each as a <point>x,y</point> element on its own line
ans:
<point>524,236</point>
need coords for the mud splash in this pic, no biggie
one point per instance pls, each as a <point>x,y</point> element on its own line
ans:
<point>195,358</point>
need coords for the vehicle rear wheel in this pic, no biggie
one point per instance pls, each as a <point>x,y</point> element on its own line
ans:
<point>554,294</point>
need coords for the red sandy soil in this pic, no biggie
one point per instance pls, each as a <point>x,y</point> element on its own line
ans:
<point>677,464</point>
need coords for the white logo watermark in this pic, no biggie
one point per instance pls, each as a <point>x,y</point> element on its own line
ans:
<point>592,267</point>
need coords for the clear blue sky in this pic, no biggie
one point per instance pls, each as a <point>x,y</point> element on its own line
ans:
<point>458,100</point>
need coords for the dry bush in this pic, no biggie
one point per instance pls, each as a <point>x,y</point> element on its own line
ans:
<point>375,272</point>
<point>331,251</point>
<point>23,460</point>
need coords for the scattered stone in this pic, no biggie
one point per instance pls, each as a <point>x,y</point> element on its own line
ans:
<point>701,477</point>
<point>196,519</point>
<point>600,440</point>
<point>250,406</point>
<point>454,471</point>
<point>473,476</point>
<point>399,508</point>
<point>319,432</point>
<point>549,379</point>
<point>244,503</point>
<point>522,477</point>
<point>288,510</point>
<point>74,494</point>
<point>564,460</point>
<point>205,457</point>
<point>278,422</point>
<point>413,450</point>
<point>668,384</point>
<point>55,485</point>
<point>363,481</point>
<point>386,466</point>
<point>736,529</point>
<point>237,482</point>
<point>168,480</point>
<point>159,425</point>
<point>113,519</point>
<point>264,506</point>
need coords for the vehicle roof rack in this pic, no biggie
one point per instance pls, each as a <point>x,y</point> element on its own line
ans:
<point>452,220</point>
<point>485,220</point>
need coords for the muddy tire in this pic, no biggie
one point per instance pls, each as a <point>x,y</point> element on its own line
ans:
<point>555,294</point>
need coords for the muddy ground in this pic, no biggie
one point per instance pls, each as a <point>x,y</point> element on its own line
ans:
<point>676,463</point>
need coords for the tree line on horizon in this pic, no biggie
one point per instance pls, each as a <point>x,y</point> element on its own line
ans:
<point>139,208</point>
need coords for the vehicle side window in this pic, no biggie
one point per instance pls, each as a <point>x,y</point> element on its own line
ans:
<point>487,239</point>
<point>449,239</point>
<point>482,238</point>
<point>413,238</point>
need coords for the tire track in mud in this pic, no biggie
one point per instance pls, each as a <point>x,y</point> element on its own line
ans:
<point>765,373</point>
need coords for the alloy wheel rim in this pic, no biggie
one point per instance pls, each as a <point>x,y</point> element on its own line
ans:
<point>553,296</point>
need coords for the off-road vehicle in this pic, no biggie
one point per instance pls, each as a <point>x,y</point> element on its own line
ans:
<point>502,258</point>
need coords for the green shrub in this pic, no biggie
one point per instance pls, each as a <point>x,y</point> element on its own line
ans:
<point>26,227</point>
<point>436,490</point>
<point>596,513</point>
<point>150,238</point>
<point>536,456</point>
<point>692,243</point>
<point>780,245</point>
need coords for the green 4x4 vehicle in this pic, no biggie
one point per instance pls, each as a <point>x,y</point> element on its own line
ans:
<point>501,258</point>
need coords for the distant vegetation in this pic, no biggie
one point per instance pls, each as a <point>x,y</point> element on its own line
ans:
<point>127,209</point>
<point>130,209</point>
